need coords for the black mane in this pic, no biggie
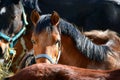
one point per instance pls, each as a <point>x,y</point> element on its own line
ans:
<point>43,22</point>
<point>86,46</point>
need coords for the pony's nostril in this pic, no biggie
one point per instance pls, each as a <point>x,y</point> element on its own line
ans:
<point>1,53</point>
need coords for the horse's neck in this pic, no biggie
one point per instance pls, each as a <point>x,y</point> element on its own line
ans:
<point>83,44</point>
<point>70,54</point>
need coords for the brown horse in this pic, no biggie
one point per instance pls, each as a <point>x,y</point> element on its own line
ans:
<point>14,42</point>
<point>58,38</point>
<point>44,71</point>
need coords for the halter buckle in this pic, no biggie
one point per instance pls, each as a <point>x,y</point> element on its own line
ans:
<point>12,51</point>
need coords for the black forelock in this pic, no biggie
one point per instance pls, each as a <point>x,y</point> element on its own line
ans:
<point>43,22</point>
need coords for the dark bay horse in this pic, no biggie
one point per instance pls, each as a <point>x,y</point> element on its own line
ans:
<point>14,39</point>
<point>44,71</point>
<point>56,39</point>
<point>89,14</point>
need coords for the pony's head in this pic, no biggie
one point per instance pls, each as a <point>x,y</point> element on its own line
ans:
<point>46,37</point>
<point>10,25</point>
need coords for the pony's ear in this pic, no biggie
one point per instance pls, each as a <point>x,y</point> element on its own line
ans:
<point>55,18</point>
<point>34,17</point>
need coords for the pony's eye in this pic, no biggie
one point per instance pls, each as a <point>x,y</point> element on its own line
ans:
<point>57,42</point>
<point>33,41</point>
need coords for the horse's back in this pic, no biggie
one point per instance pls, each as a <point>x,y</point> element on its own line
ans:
<point>45,71</point>
<point>72,10</point>
<point>89,14</point>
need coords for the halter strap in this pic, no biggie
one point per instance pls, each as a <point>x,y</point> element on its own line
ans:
<point>24,15</point>
<point>45,56</point>
<point>48,57</point>
<point>14,38</point>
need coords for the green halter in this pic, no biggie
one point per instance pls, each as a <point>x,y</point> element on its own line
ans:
<point>12,40</point>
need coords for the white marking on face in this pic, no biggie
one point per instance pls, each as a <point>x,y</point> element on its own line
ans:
<point>3,10</point>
